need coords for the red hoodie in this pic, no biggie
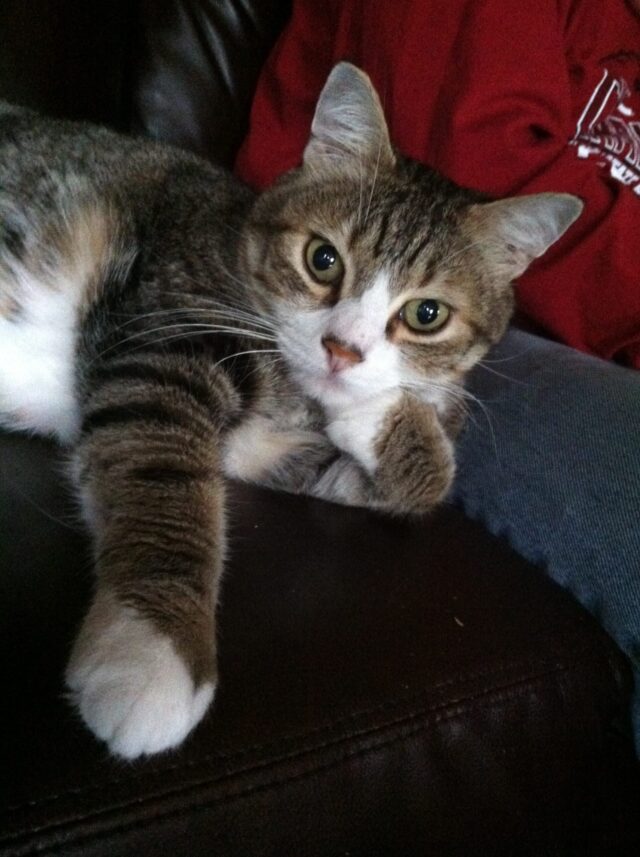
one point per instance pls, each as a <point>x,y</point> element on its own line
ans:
<point>504,97</point>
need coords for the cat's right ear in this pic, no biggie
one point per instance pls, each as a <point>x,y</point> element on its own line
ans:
<point>349,131</point>
<point>515,231</point>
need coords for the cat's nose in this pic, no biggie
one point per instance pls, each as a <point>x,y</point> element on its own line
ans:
<point>341,355</point>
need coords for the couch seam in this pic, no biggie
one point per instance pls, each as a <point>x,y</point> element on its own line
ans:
<point>424,715</point>
<point>326,727</point>
<point>257,788</point>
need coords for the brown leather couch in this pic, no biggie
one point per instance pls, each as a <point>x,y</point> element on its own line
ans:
<point>386,688</point>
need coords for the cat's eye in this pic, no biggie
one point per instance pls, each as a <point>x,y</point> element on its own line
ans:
<point>425,315</point>
<point>324,262</point>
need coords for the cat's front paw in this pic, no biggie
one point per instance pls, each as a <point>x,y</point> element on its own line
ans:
<point>354,429</point>
<point>131,687</point>
<point>415,460</point>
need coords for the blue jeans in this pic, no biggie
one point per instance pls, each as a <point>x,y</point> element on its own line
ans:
<point>550,459</point>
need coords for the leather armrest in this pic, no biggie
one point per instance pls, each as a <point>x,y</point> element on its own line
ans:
<point>386,688</point>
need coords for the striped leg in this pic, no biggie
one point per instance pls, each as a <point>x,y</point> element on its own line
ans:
<point>143,671</point>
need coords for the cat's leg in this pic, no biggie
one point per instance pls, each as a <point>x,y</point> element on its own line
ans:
<point>402,447</point>
<point>143,670</point>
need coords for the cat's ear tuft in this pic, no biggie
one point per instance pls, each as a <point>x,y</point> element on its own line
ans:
<point>517,230</point>
<point>349,130</point>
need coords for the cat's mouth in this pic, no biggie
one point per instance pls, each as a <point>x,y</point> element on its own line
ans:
<point>327,378</point>
<point>335,387</point>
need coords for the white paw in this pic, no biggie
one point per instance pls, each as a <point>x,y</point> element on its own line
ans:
<point>131,687</point>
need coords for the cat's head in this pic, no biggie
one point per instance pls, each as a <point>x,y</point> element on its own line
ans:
<point>380,272</point>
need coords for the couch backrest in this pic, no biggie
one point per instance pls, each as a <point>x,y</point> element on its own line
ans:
<point>182,71</point>
<point>67,57</point>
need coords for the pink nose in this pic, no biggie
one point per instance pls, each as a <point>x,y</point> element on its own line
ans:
<point>340,355</point>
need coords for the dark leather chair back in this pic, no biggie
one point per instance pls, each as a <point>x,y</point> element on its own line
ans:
<point>195,70</point>
<point>185,72</point>
<point>67,57</point>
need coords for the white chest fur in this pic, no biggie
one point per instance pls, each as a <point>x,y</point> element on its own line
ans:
<point>42,300</point>
<point>37,350</point>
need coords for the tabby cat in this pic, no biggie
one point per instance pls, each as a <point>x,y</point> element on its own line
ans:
<point>175,330</point>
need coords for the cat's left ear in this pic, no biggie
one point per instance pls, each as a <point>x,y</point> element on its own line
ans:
<point>513,232</point>
<point>349,131</point>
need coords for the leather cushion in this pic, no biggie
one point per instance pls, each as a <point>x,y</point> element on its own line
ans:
<point>386,688</point>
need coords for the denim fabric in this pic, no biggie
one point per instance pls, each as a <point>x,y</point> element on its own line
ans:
<point>550,459</point>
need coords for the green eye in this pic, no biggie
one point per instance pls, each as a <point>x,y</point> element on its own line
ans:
<point>324,262</point>
<point>425,315</point>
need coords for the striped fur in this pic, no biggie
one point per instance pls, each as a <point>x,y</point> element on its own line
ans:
<point>164,323</point>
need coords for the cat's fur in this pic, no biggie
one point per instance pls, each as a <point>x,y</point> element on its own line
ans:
<point>162,321</point>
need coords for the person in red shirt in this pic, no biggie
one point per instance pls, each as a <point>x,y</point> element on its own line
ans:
<point>517,98</point>
<point>505,98</point>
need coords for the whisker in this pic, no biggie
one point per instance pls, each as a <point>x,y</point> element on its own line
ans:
<point>483,365</point>
<point>375,178</point>
<point>225,314</point>
<point>243,353</point>
<point>360,187</point>
<point>469,246</point>
<point>71,523</point>
<point>508,359</point>
<point>265,364</point>
<point>186,335</point>
<point>230,228</point>
<point>202,329</point>
<point>208,300</point>
<point>461,394</point>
